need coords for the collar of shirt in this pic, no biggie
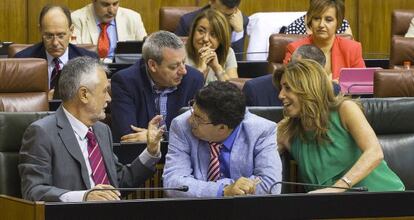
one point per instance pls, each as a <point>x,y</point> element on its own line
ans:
<point>228,143</point>
<point>113,38</point>
<point>156,89</point>
<point>62,59</point>
<point>78,127</point>
<point>112,23</point>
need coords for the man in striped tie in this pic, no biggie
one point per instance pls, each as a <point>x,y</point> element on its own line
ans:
<point>66,154</point>
<point>220,149</point>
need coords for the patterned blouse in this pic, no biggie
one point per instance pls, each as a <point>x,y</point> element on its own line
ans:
<point>299,26</point>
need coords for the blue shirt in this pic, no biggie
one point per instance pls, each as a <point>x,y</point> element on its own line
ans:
<point>224,157</point>
<point>113,37</point>
<point>161,100</point>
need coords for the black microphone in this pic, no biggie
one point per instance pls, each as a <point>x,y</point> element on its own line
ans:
<point>352,189</point>
<point>252,52</point>
<point>181,188</point>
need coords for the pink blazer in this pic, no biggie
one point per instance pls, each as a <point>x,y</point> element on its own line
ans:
<point>345,53</point>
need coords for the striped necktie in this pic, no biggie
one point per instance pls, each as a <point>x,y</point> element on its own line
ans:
<point>55,73</point>
<point>99,174</point>
<point>213,173</point>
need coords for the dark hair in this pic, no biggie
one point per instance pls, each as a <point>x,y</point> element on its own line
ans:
<point>47,7</point>
<point>230,3</point>
<point>223,103</point>
<point>317,7</point>
<point>310,51</point>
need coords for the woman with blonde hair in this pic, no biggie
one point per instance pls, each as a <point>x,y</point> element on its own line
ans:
<point>208,47</point>
<point>328,135</point>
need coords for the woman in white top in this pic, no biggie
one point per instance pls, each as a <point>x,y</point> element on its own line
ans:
<point>208,47</point>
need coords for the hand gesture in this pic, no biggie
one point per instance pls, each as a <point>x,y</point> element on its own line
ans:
<point>154,135</point>
<point>139,135</point>
<point>236,21</point>
<point>103,195</point>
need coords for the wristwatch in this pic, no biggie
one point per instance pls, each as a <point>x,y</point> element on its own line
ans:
<point>347,181</point>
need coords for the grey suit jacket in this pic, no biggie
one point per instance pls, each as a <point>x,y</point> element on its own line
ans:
<point>254,154</point>
<point>51,161</point>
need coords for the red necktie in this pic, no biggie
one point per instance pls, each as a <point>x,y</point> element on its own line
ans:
<point>55,73</point>
<point>103,41</point>
<point>99,174</point>
<point>213,173</point>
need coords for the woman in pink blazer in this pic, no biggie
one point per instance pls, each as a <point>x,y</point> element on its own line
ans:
<point>325,16</point>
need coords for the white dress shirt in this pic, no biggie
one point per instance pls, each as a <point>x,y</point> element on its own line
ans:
<point>51,65</point>
<point>80,131</point>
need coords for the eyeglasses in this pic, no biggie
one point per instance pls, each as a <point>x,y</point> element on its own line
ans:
<point>196,119</point>
<point>50,37</point>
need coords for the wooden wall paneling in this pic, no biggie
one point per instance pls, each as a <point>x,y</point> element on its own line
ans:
<point>13,25</point>
<point>351,14</point>
<point>148,9</point>
<point>375,25</point>
<point>76,4</point>
<point>250,7</point>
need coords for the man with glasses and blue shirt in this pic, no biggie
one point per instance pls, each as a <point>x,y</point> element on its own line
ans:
<point>218,148</point>
<point>56,28</point>
<point>158,84</point>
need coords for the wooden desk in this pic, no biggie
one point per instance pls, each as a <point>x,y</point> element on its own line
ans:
<point>388,205</point>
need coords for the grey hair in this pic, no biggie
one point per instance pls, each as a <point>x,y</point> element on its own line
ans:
<point>310,51</point>
<point>81,71</point>
<point>153,45</point>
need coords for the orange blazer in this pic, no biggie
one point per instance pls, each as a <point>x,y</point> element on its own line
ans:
<point>345,53</point>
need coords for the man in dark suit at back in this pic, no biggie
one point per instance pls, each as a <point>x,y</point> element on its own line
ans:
<point>260,91</point>
<point>55,26</point>
<point>158,84</point>
<point>237,21</point>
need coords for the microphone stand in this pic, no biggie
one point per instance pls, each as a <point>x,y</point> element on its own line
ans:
<point>352,189</point>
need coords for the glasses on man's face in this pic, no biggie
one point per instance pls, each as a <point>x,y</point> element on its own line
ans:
<point>50,37</point>
<point>196,119</point>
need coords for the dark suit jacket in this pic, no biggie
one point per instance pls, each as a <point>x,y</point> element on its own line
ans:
<point>51,161</point>
<point>183,29</point>
<point>260,91</point>
<point>38,51</point>
<point>133,100</point>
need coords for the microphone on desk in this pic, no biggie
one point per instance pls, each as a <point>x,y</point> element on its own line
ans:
<point>181,188</point>
<point>251,52</point>
<point>352,189</point>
